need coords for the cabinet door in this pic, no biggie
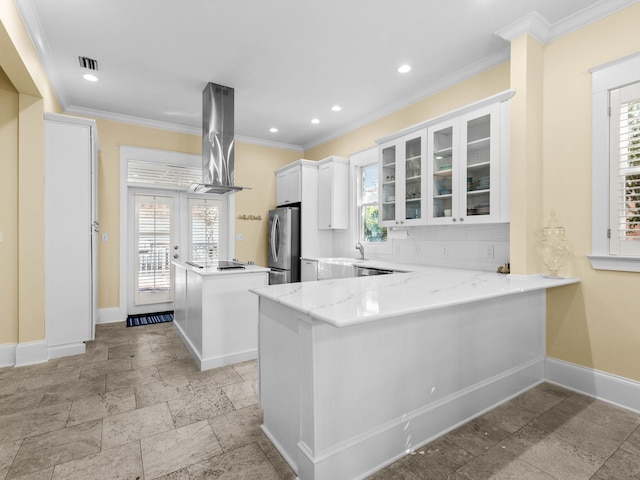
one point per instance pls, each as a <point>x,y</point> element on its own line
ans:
<point>333,195</point>
<point>69,233</point>
<point>325,195</point>
<point>388,181</point>
<point>442,174</point>
<point>414,161</point>
<point>479,166</point>
<point>402,167</point>
<point>308,271</point>
<point>288,186</point>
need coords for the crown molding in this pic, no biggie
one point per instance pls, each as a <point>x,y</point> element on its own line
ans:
<point>536,25</point>
<point>439,85</point>
<point>172,127</point>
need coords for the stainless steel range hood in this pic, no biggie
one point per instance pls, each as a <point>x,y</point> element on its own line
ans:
<point>218,139</point>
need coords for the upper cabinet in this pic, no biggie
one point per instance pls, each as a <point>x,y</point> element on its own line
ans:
<point>333,193</point>
<point>288,186</point>
<point>464,169</point>
<point>402,168</point>
<point>449,170</point>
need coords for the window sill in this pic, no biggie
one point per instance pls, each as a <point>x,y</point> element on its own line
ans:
<point>613,262</point>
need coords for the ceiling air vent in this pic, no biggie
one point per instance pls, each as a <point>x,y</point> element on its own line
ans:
<point>90,63</point>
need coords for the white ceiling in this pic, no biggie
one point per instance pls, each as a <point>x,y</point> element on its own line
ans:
<point>288,60</point>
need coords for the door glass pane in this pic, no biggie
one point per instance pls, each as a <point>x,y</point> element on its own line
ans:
<point>204,230</point>
<point>442,172</point>
<point>154,276</point>
<point>389,183</point>
<point>413,176</point>
<point>479,166</point>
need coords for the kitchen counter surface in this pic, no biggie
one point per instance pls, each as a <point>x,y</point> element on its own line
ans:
<point>350,301</point>
<point>212,269</point>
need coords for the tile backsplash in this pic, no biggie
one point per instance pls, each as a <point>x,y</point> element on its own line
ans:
<point>479,247</point>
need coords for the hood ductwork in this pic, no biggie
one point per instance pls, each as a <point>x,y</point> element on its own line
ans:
<point>218,139</point>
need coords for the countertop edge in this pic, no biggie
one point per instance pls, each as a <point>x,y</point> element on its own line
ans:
<point>504,285</point>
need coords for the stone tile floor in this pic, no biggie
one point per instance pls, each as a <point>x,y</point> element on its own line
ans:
<point>136,407</point>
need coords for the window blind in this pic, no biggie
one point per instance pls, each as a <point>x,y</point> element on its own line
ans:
<point>205,230</point>
<point>153,241</point>
<point>625,170</point>
<point>159,174</point>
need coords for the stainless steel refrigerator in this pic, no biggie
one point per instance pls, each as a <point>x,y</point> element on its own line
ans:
<point>284,245</point>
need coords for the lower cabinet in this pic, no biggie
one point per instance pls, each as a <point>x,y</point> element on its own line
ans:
<point>308,270</point>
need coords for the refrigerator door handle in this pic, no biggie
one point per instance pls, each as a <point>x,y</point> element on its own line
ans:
<point>275,238</point>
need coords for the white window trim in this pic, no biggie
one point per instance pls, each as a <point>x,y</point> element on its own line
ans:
<point>357,160</point>
<point>604,79</point>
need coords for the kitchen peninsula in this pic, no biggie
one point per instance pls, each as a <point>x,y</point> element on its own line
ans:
<point>357,372</point>
<point>216,316</point>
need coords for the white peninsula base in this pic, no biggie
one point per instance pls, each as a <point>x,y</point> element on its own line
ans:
<point>343,402</point>
<point>215,315</point>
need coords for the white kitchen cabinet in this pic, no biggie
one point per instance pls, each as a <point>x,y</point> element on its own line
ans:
<point>71,230</point>
<point>288,186</point>
<point>308,270</point>
<point>333,193</point>
<point>464,173</point>
<point>402,167</point>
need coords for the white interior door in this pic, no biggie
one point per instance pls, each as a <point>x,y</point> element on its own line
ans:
<point>154,243</point>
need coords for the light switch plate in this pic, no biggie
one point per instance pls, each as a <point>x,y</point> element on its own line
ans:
<point>105,237</point>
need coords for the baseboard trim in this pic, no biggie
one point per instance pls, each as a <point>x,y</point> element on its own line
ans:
<point>229,359</point>
<point>8,354</point>
<point>610,388</point>
<point>110,315</point>
<point>30,353</point>
<point>66,350</point>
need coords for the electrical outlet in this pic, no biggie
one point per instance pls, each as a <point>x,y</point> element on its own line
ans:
<point>489,252</point>
<point>445,251</point>
<point>416,249</point>
<point>396,249</point>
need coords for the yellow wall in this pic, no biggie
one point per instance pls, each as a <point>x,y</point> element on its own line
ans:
<point>595,324</point>
<point>254,167</point>
<point>9,210</point>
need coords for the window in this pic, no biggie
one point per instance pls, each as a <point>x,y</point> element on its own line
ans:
<point>204,232</point>
<point>616,165</point>
<point>624,216</point>
<point>370,231</point>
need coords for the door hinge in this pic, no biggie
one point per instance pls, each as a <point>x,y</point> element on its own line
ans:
<point>609,111</point>
<point>608,233</point>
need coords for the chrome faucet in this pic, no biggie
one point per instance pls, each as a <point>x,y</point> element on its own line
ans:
<point>361,249</point>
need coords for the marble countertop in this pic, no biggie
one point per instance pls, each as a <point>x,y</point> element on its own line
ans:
<point>212,269</point>
<point>350,301</point>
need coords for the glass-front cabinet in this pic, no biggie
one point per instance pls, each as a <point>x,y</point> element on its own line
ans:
<point>463,172</point>
<point>402,168</point>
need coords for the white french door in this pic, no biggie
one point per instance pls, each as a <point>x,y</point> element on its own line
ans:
<point>154,241</point>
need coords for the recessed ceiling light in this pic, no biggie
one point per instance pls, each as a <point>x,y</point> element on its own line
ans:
<point>404,68</point>
<point>90,77</point>
<point>336,108</point>
<point>273,130</point>
<point>315,121</point>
